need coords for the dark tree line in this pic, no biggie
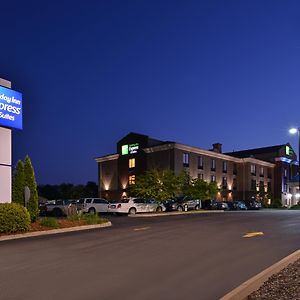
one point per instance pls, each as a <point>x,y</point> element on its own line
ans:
<point>68,191</point>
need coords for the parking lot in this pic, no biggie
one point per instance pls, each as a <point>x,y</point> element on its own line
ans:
<point>188,256</point>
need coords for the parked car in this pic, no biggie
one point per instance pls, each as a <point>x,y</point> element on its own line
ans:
<point>240,205</point>
<point>252,204</point>
<point>236,205</point>
<point>183,203</point>
<point>93,205</point>
<point>214,204</point>
<point>58,208</point>
<point>132,206</point>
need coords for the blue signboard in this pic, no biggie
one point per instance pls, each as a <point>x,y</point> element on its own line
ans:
<point>10,108</point>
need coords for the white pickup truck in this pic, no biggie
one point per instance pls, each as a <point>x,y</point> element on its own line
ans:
<point>132,206</point>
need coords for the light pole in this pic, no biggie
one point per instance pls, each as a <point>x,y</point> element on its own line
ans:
<point>294,131</point>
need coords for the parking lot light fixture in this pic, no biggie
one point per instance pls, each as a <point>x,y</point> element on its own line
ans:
<point>295,130</point>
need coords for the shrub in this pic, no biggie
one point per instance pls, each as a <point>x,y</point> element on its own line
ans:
<point>75,217</point>
<point>91,219</point>
<point>276,203</point>
<point>297,206</point>
<point>32,205</point>
<point>49,222</point>
<point>13,217</point>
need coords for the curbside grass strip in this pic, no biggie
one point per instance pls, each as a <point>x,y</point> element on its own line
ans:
<point>53,231</point>
<point>174,213</point>
<point>254,283</point>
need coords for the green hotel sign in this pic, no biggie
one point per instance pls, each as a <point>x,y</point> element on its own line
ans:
<point>288,150</point>
<point>124,149</point>
<point>130,149</point>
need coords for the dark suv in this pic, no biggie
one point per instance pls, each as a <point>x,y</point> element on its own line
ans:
<point>183,203</point>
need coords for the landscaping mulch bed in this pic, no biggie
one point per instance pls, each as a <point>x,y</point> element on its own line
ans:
<point>284,285</point>
<point>63,223</point>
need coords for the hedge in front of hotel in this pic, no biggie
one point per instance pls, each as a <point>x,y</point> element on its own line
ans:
<point>13,217</point>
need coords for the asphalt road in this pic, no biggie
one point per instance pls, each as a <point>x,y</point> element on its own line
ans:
<point>201,256</point>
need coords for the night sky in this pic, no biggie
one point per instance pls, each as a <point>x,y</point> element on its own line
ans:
<point>195,72</point>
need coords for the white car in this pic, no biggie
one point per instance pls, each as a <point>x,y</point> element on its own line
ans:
<point>132,206</point>
<point>93,205</point>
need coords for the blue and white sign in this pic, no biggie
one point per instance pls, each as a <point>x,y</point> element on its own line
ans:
<point>10,108</point>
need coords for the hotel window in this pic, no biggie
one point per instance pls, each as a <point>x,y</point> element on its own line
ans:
<point>213,178</point>
<point>185,159</point>
<point>234,168</point>
<point>234,184</point>
<point>131,163</point>
<point>224,166</point>
<point>253,185</point>
<point>200,162</point>
<point>253,169</point>
<point>131,179</point>
<point>213,165</point>
<point>269,186</point>
<point>285,188</point>
<point>224,182</point>
<point>285,173</point>
<point>200,176</point>
<point>261,172</point>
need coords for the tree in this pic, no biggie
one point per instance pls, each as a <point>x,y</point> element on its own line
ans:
<point>160,185</point>
<point>30,181</point>
<point>18,184</point>
<point>212,190</point>
<point>199,189</point>
<point>91,189</point>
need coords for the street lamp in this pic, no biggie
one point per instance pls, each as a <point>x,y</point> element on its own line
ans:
<point>294,131</point>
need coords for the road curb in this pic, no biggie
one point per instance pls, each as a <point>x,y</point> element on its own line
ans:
<point>176,213</point>
<point>53,231</point>
<point>254,283</point>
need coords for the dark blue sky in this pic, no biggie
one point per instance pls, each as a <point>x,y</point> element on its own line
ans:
<point>196,72</point>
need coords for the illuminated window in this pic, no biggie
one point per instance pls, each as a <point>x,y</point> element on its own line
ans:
<point>200,176</point>
<point>131,179</point>
<point>213,164</point>
<point>185,159</point>
<point>253,169</point>
<point>262,172</point>
<point>131,163</point>
<point>200,162</point>
<point>224,166</point>
<point>224,182</point>
<point>213,178</point>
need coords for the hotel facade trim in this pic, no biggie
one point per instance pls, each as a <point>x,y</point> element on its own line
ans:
<point>261,173</point>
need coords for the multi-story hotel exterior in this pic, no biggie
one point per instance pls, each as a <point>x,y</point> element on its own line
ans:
<point>259,173</point>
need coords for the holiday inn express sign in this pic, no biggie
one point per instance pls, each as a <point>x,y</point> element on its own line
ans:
<point>10,108</point>
<point>130,149</point>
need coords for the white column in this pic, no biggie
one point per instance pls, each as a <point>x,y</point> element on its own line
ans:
<point>5,158</point>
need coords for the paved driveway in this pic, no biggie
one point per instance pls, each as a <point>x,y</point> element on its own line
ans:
<point>199,256</point>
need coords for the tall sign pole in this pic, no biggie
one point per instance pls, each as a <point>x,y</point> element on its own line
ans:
<point>10,117</point>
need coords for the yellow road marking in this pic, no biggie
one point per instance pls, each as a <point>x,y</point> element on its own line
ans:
<point>142,228</point>
<point>252,234</point>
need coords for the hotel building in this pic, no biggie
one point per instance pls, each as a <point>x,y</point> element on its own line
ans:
<point>261,173</point>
